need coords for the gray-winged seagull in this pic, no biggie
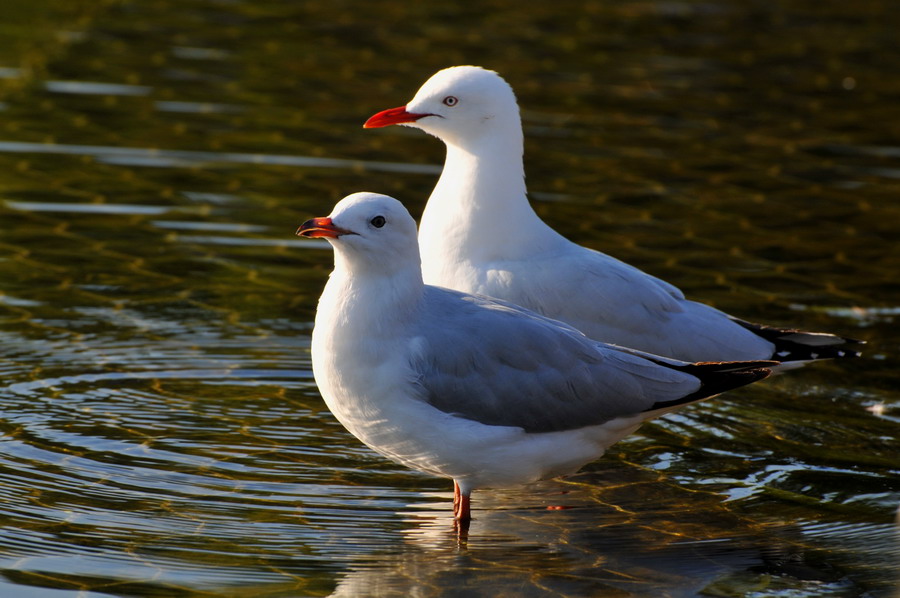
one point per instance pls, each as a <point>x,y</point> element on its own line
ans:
<point>480,235</point>
<point>467,387</point>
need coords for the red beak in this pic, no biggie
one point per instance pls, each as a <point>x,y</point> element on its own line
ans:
<point>315,228</point>
<point>394,116</point>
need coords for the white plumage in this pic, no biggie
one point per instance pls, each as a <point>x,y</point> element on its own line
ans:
<point>480,235</point>
<point>467,387</point>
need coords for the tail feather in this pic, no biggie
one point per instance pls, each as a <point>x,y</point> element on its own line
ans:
<point>797,345</point>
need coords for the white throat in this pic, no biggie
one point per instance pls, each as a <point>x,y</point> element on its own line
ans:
<point>347,298</point>
<point>479,211</point>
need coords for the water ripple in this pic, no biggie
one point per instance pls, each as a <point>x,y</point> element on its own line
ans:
<point>92,88</point>
<point>183,158</point>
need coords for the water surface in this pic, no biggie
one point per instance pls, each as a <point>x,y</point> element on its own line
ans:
<point>160,430</point>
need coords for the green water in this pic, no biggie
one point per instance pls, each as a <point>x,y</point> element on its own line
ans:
<point>160,430</point>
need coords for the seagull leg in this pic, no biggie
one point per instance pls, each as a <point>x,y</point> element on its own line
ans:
<point>461,504</point>
<point>463,512</point>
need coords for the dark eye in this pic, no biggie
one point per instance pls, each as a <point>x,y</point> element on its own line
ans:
<point>378,221</point>
<point>451,101</point>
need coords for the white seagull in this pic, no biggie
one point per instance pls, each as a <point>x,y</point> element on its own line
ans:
<point>480,235</point>
<point>467,387</point>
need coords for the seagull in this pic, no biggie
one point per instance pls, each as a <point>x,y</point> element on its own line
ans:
<point>466,387</point>
<point>479,234</point>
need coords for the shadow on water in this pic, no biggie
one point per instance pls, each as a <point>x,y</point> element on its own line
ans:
<point>160,429</point>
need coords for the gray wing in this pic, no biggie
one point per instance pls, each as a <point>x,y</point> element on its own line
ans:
<point>612,301</point>
<point>499,364</point>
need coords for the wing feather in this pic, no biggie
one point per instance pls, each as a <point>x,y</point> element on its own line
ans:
<point>499,364</point>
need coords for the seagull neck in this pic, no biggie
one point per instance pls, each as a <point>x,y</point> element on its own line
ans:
<point>487,171</point>
<point>369,298</point>
<point>479,204</point>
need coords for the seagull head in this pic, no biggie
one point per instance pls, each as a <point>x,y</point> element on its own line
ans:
<point>368,231</point>
<point>458,105</point>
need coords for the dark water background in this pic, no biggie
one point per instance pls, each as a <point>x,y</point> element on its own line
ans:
<point>160,430</point>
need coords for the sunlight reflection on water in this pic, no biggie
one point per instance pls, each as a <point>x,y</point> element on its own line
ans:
<point>183,158</point>
<point>160,430</point>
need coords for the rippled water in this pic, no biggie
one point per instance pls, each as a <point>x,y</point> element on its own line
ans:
<point>160,430</point>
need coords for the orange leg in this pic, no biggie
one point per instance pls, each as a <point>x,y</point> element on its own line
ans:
<point>461,504</point>
<point>463,512</point>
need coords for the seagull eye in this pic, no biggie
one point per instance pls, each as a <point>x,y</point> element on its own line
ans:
<point>451,101</point>
<point>378,221</point>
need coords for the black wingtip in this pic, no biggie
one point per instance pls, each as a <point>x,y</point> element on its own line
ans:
<point>718,377</point>
<point>798,345</point>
